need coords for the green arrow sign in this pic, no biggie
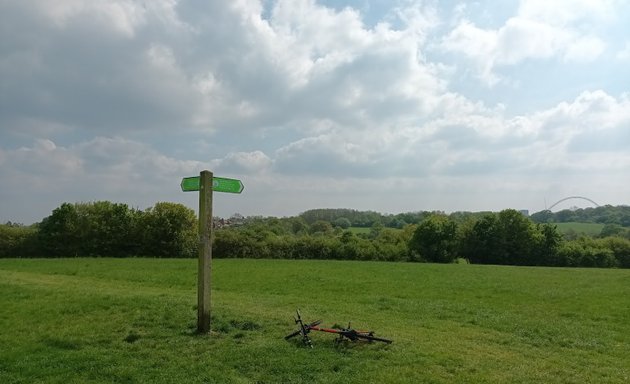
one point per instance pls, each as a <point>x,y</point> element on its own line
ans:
<point>219,184</point>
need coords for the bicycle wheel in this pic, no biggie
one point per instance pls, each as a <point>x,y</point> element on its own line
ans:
<point>374,338</point>
<point>304,331</point>
<point>287,337</point>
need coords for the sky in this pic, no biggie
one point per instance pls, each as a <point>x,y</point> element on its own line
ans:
<point>384,105</point>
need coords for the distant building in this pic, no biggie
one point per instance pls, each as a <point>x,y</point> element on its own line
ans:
<point>524,212</point>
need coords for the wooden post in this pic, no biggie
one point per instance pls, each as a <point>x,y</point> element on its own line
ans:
<point>204,279</point>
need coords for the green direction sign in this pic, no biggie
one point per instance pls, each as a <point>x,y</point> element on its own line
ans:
<point>219,184</point>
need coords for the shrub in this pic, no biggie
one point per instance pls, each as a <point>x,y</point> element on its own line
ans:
<point>620,248</point>
<point>18,241</point>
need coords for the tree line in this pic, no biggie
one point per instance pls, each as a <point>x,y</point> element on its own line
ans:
<point>105,229</point>
<point>170,230</point>
<point>504,238</point>
<point>606,214</point>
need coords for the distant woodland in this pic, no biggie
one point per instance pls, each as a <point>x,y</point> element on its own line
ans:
<point>169,230</point>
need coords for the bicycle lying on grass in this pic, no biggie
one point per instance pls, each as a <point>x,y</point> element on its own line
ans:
<point>343,333</point>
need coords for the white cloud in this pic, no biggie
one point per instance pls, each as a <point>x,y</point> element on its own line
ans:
<point>567,12</point>
<point>216,68</point>
<point>624,54</point>
<point>43,157</point>
<point>520,39</point>
<point>309,105</point>
<point>585,49</point>
<point>541,30</point>
<point>245,162</point>
<point>123,16</point>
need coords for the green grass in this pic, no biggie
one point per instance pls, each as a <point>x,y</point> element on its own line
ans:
<point>366,230</point>
<point>590,229</point>
<point>360,230</point>
<point>133,321</point>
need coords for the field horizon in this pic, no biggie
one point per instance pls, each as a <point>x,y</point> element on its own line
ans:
<point>104,320</point>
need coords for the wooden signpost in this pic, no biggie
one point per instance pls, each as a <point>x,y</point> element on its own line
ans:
<point>205,183</point>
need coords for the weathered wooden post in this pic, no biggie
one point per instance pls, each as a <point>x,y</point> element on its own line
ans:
<point>206,183</point>
<point>204,276</point>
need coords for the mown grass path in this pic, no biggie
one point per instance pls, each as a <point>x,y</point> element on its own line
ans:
<point>133,321</point>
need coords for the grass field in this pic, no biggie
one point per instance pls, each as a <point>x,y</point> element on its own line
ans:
<point>360,230</point>
<point>133,321</point>
<point>590,229</point>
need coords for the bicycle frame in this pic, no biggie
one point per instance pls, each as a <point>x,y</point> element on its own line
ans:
<point>344,333</point>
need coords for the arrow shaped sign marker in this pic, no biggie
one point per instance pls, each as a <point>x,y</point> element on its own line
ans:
<point>219,184</point>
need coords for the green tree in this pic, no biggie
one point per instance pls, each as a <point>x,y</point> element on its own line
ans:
<point>620,248</point>
<point>107,229</point>
<point>391,245</point>
<point>298,225</point>
<point>548,241</point>
<point>321,227</point>
<point>375,230</point>
<point>517,238</point>
<point>100,228</point>
<point>435,239</point>
<point>587,252</point>
<point>59,232</point>
<point>343,223</point>
<point>480,242</point>
<point>169,230</point>
<point>611,230</point>
<point>505,238</point>
<point>545,216</point>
